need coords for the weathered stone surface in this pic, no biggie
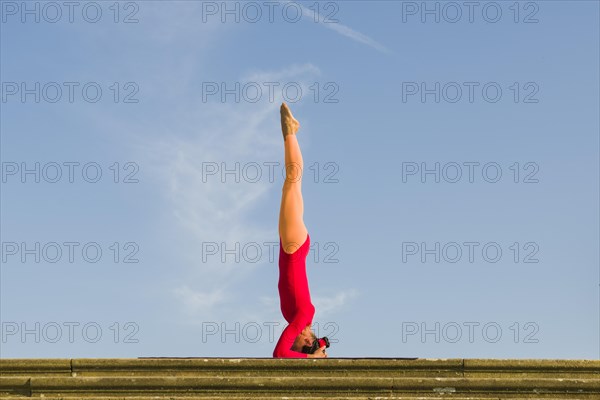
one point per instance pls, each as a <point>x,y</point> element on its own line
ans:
<point>524,367</point>
<point>46,366</point>
<point>268,367</point>
<point>206,378</point>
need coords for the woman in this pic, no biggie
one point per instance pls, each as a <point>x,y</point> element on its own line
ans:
<point>294,244</point>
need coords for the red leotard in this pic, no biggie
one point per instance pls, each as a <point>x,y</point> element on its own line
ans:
<point>296,306</point>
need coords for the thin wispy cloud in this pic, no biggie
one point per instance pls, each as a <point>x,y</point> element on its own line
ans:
<point>326,305</point>
<point>217,210</point>
<point>342,29</point>
<point>199,302</point>
<point>179,136</point>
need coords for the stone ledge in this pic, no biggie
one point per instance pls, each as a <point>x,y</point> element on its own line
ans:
<point>357,378</point>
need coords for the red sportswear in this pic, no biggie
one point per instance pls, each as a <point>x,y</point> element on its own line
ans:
<point>296,306</point>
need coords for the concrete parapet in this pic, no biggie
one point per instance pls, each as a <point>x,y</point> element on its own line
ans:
<point>356,378</point>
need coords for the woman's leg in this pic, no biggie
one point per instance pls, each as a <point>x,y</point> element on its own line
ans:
<point>291,224</point>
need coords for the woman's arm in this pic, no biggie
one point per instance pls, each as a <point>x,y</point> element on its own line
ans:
<point>290,333</point>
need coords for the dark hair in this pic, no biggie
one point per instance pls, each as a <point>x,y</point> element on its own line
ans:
<point>316,345</point>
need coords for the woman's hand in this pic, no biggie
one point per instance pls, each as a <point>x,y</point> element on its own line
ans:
<point>320,353</point>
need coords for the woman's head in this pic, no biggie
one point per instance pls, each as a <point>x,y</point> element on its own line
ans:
<point>305,338</point>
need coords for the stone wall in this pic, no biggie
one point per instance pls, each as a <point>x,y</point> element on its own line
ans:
<point>241,378</point>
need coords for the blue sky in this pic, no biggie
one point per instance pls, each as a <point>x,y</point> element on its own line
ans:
<point>367,137</point>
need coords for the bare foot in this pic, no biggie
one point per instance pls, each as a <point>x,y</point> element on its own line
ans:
<point>289,124</point>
